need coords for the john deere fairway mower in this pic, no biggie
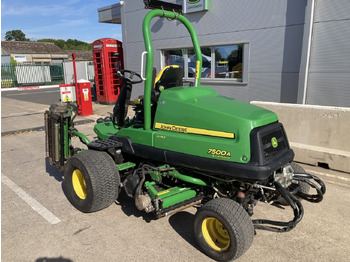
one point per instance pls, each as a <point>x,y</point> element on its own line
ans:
<point>186,146</point>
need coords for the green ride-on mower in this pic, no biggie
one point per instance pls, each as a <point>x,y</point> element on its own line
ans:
<point>186,146</point>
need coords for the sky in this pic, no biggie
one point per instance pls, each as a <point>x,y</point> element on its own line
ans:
<point>65,19</point>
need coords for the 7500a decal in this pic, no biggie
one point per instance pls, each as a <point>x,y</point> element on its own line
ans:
<point>219,153</point>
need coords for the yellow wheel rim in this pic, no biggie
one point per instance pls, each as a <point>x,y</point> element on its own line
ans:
<point>215,234</point>
<point>79,184</point>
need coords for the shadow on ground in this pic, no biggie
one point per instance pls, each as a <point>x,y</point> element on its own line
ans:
<point>53,171</point>
<point>56,174</point>
<point>53,259</point>
<point>182,223</point>
<point>127,205</point>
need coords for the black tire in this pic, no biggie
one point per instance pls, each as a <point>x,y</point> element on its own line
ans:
<point>91,179</point>
<point>223,229</point>
<point>304,187</point>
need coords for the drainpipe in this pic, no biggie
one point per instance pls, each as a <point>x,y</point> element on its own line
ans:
<point>307,67</point>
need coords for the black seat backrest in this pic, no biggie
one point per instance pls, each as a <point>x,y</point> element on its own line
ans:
<point>171,76</point>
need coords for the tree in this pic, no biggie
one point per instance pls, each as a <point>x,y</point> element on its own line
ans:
<point>13,61</point>
<point>206,51</point>
<point>70,44</point>
<point>218,56</point>
<point>15,35</point>
<point>59,42</point>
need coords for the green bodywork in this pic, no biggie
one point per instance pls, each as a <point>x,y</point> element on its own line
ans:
<point>201,108</point>
<point>170,196</point>
<point>68,132</point>
<point>204,109</point>
<point>173,195</point>
<point>126,165</point>
<point>157,176</point>
<point>66,123</point>
<point>180,109</point>
<point>67,141</point>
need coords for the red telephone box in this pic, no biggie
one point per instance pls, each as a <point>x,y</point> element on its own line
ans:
<point>108,59</point>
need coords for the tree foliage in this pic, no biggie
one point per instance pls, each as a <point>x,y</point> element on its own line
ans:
<point>70,44</point>
<point>13,61</point>
<point>15,35</point>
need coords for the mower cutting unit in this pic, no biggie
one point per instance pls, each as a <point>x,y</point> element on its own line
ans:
<point>185,146</point>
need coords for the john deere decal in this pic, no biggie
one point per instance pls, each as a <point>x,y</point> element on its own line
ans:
<point>274,142</point>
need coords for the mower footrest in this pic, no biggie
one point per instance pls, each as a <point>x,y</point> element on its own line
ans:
<point>103,145</point>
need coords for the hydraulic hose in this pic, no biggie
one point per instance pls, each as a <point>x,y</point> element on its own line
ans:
<point>143,178</point>
<point>282,226</point>
<point>320,191</point>
<point>81,136</point>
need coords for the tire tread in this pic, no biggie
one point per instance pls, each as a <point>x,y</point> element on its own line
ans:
<point>103,175</point>
<point>237,218</point>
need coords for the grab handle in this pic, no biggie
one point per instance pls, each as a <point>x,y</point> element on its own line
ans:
<point>142,60</point>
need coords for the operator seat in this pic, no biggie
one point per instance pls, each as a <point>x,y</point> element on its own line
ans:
<point>169,76</point>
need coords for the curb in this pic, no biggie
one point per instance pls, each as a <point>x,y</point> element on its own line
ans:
<point>24,88</point>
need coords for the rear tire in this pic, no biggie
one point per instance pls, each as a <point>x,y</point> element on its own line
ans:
<point>223,229</point>
<point>91,179</point>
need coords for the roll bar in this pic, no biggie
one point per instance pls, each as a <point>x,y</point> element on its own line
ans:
<point>149,49</point>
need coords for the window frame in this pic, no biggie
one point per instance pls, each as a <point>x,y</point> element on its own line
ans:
<point>212,79</point>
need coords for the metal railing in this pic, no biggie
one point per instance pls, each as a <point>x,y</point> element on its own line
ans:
<point>14,75</point>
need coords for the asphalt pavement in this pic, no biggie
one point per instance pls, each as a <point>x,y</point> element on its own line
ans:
<point>39,224</point>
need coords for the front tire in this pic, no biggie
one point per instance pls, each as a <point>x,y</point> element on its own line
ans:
<point>92,181</point>
<point>223,229</point>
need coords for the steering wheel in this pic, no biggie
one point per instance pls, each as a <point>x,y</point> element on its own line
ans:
<point>129,79</point>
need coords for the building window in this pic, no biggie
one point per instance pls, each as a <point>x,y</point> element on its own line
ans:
<point>229,62</point>
<point>206,62</point>
<point>174,57</point>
